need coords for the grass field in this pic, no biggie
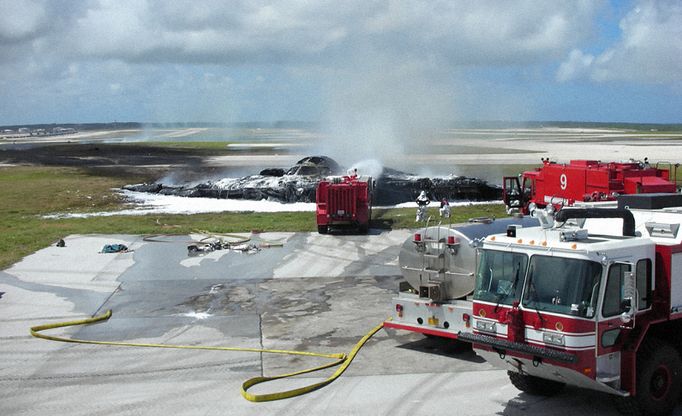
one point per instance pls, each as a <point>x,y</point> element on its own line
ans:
<point>28,193</point>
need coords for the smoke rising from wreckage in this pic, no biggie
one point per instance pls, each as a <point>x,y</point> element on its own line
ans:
<point>299,183</point>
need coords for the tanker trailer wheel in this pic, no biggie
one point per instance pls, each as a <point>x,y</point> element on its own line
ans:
<point>535,385</point>
<point>659,374</point>
<point>322,229</point>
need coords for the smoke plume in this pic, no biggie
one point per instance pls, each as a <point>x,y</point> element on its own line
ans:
<point>382,107</point>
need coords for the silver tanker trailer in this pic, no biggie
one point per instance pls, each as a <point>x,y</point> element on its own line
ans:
<point>439,266</point>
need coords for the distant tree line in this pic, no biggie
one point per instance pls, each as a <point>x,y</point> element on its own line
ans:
<point>286,124</point>
<point>139,125</point>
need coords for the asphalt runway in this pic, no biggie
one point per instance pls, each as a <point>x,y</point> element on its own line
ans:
<point>314,293</point>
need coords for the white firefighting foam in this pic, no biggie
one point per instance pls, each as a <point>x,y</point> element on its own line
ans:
<point>145,203</point>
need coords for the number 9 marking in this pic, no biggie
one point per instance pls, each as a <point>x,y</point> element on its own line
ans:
<point>563,181</point>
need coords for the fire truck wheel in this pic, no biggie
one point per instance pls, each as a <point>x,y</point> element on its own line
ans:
<point>659,375</point>
<point>535,385</point>
<point>322,229</point>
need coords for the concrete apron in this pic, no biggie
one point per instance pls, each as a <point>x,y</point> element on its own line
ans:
<point>316,293</point>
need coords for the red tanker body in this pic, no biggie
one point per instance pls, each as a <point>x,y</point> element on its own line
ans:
<point>582,180</point>
<point>344,201</point>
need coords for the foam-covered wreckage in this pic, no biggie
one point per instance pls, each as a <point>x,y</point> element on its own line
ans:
<point>299,183</point>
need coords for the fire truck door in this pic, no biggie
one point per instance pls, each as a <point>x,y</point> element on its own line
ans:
<point>528,188</point>
<point>619,300</point>
<point>511,192</point>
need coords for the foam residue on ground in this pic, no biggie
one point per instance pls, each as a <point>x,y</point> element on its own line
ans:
<point>145,203</point>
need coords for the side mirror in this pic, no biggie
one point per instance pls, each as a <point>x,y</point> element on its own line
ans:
<point>628,316</point>
<point>629,303</point>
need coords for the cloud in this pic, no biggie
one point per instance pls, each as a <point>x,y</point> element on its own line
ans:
<point>577,66</point>
<point>20,20</point>
<point>649,49</point>
<point>377,64</point>
<point>374,49</point>
<point>238,32</point>
<point>203,32</point>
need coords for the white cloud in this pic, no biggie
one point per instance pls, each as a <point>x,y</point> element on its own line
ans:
<point>458,32</point>
<point>649,50</point>
<point>376,64</point>
<point>20,20</point>
<point>577,66</point>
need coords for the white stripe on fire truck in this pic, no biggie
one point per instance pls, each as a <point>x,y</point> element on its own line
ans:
<point>571,341</point>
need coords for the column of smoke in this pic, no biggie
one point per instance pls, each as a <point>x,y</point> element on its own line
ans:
<point>381,109</point>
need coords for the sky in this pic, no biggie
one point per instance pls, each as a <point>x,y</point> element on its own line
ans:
<point>386,66</point>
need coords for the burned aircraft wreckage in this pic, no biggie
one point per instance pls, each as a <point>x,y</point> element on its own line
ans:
<point>298,184</point>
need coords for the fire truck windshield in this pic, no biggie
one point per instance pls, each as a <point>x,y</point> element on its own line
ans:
<point>562,285</point>
<point>500,276</point>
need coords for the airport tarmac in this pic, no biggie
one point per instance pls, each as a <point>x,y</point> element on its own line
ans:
<point>314,293</point>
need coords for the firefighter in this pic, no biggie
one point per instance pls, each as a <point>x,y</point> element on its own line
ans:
<point>444,208</point>
<point>422,201</point>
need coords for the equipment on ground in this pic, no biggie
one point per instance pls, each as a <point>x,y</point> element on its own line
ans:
<point>114,248</point>
<point>591,298</point>
<point>438,264</point>
<point>344,201</point>
<point>561,184</point>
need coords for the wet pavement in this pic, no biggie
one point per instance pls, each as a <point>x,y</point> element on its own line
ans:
<point>314,293</point>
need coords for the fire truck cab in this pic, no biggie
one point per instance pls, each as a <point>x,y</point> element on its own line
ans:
<point>591,298</point>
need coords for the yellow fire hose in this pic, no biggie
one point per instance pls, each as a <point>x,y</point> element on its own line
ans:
<point>340,359</point>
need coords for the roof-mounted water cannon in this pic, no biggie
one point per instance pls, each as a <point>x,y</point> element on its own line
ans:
<point>544,215</point>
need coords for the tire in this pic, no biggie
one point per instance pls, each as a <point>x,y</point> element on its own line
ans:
<point>322,229</point>
<point>535,385</point>
<point>659,374</point>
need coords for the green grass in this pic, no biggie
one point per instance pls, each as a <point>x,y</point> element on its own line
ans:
<point>29,193</point>
<point>393,218</point>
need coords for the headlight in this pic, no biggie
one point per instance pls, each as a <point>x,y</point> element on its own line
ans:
<point>554,339</point>
<point>486,326</point>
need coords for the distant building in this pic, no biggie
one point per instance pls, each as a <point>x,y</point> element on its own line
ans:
<point>63,130</point>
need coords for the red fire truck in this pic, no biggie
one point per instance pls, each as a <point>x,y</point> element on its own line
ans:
<point>583,180</point>
<point>344,201</point>
<point>591,298</point>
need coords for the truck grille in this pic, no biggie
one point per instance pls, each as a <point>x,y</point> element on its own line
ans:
<point>341,202</point>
